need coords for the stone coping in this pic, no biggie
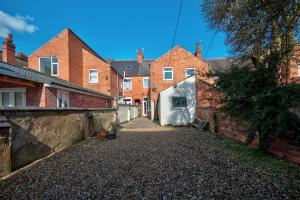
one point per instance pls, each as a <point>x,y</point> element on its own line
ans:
<point>25,109</point>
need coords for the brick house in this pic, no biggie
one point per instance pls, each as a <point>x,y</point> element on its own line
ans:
<point>136,86</point>
<point>24,87</point>
<point>173,67</point>
<point>68,57</point>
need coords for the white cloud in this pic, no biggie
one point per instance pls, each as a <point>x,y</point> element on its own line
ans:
<point>17,23</point>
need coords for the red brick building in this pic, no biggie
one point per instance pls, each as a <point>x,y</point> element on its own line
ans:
<point>24,87</point>
<point>173,67</point>
<point>68,57</point>
<point>136,85</point>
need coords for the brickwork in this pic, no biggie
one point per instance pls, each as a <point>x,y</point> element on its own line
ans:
<point>116,84</point>
<point>220,123</point>
<point>57,46</point>
<point>138,92</point>
<point>86,101</point>
<point>179,59</point>
<point>75,60</point>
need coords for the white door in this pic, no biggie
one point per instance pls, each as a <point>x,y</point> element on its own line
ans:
<point>145,106</point>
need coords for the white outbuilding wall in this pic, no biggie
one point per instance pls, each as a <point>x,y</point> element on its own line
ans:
<point>177,116</point>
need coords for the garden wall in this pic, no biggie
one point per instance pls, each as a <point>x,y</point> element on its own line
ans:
<point>207,110</point>
<point>38,132</point>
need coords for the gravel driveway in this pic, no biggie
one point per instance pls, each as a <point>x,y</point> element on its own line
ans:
<point>164,164</point>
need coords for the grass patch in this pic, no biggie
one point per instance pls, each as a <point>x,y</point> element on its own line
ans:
<point>277,167</point>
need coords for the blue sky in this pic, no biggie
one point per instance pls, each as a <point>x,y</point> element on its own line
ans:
<point>113,28</point>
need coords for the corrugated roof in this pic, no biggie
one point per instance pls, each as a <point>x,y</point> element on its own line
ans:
<point>35,76</point>
<point>131,67</point>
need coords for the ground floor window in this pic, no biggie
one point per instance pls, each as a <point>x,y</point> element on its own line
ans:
<point>13,97</point>
<point>62,99</point>
<point>128,100</point>
<point>179,102</point>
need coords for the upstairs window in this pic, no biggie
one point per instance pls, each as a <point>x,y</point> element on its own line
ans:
<point>93,76</point>
<point>49,65</point>
<point>127,84</point>
<point>179,102</point>
<point>189,72</point>
<point>168,73</point>
<point>62,99</point>
<point>146,82</point>
<point>13,97</point>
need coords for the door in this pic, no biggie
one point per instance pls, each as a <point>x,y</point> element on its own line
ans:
<point>145,106</point>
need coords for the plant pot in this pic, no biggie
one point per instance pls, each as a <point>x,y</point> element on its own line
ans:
<point>111,136</point>
<point>102,134</point>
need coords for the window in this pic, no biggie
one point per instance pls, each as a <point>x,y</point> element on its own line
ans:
<point>189,72</point>
<point>298,69</point>
<point>93,76</point>
<point>62,99</point>
<point>13,97</point>
<point>49,65</point>
<point>128,100</point>
<point>179,102</point>
<point>168,73</point>
<point>146,82</point>
<point>128,67</point>
<point>127,84</point>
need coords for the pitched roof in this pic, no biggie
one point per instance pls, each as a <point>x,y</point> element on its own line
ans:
<point>131,67</point>
<point>219,64</point>
<point>35,76</point>
<point>19,61</point>
<point>73,33</point>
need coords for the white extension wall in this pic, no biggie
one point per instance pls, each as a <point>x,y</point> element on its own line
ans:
<point>178,116</point>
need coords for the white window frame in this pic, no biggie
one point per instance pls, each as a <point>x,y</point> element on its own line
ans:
<point>144,86</point>
<point>90,76</point>
<point>186,69</point>
<point>12,97</point>
<point>57,98</point>
<point>298,68</point>
<point>130,82</point>
<point>130,98</point>
<point>51,64</point>
<point>166,72</point>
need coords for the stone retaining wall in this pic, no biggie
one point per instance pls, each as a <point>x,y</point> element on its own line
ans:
<point>38,132</point>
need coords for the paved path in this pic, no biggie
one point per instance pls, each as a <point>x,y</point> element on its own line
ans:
<point>166,164</point>
<point>141,122</point>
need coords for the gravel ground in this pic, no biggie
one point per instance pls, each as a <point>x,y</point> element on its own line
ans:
<point>180,164</point>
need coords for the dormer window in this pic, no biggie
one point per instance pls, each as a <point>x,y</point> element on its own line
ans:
<point>49,65</point>
<point>128,67</point>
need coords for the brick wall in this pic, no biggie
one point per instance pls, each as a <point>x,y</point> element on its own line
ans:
<point>207,110</point>
<point>116,83</point>
<point>78,100</point>
<point>33,94</point>
<point>179,59</point>
<point>57,46</point>
<point>138,91</point>
<point>75,60</point>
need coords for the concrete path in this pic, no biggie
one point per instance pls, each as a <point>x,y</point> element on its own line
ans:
<point>140,122</point>
<point>179,163</point>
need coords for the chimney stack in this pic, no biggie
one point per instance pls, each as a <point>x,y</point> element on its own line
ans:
<point>198,50</point>
<point>22,56</point>
<point>9,50</point>
<point>140,56</point>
